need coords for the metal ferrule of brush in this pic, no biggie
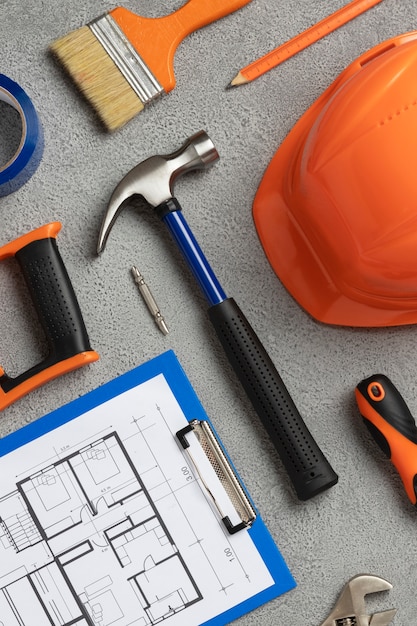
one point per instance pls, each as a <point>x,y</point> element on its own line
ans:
<point>126,58</point>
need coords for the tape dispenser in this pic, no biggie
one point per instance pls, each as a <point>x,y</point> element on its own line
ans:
<point>59,313</point>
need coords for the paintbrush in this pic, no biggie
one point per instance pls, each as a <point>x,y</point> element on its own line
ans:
<point>122,61</point>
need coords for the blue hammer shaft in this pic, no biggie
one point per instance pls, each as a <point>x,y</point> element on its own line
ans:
<point>194,256</point>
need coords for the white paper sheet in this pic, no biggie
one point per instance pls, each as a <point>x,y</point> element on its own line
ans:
<point>103,521</point>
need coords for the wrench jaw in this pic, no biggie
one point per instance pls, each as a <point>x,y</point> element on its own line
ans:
<point>382,619</point>
<point>350,609</point>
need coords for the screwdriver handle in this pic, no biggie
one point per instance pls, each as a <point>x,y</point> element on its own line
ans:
<point>391,424</point>
<point>307,467</point>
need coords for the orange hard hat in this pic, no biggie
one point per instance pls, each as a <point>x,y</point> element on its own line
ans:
<point>336,211</point>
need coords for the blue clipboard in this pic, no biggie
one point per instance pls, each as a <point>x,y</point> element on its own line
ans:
<point>168,365</point>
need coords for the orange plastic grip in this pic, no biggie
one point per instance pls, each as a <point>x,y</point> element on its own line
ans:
<point>44,232</point>
<point>58,310</point>
<point>392,426</point>
<point>156,39</point>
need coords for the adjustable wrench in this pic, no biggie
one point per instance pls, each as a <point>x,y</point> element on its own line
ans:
<point>350,608</point>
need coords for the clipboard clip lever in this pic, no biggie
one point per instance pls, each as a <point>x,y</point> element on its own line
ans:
<point>220,480</point>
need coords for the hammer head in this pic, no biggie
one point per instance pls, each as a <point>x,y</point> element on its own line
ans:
<point>154,179</point>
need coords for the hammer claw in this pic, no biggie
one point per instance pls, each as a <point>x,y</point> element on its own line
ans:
<point>154,178</point>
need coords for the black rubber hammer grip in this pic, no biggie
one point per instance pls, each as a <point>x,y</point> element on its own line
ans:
<point>58,310</point>
<point>307,467</point>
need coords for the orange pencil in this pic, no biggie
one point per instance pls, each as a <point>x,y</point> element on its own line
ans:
<point>302,41</point>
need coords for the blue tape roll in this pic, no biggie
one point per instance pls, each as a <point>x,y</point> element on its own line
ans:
<point>28,156</point>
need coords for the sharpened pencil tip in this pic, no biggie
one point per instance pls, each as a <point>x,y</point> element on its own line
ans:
<point>239,79</point>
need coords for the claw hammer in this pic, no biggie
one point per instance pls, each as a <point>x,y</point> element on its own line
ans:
<point>153,180</point>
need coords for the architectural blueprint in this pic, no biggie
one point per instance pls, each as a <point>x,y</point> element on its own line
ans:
<point>104,522</point>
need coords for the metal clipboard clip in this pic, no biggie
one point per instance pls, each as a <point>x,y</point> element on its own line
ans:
<point>241,514</point>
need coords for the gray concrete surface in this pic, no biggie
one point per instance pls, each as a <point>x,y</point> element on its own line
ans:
<point>365,523</point>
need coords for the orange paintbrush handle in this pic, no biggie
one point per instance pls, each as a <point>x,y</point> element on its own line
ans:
<point>156,39</point>
<point>393,427</point>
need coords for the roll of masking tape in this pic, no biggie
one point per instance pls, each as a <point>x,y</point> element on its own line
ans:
<point>25,161</point>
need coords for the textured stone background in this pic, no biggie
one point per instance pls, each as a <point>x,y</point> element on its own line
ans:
<point>365,523</point>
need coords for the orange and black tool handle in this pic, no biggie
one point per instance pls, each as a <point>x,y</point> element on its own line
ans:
<point>391,424</point>
<point>57,307</point>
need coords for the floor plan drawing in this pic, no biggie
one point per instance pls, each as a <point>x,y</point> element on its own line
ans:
<point>86,513</point>
<point>104,523</point>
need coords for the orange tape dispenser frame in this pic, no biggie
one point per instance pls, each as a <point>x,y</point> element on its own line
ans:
<point>57,307</point>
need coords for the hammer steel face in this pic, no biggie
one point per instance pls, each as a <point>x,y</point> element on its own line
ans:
<point>154,180</point>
